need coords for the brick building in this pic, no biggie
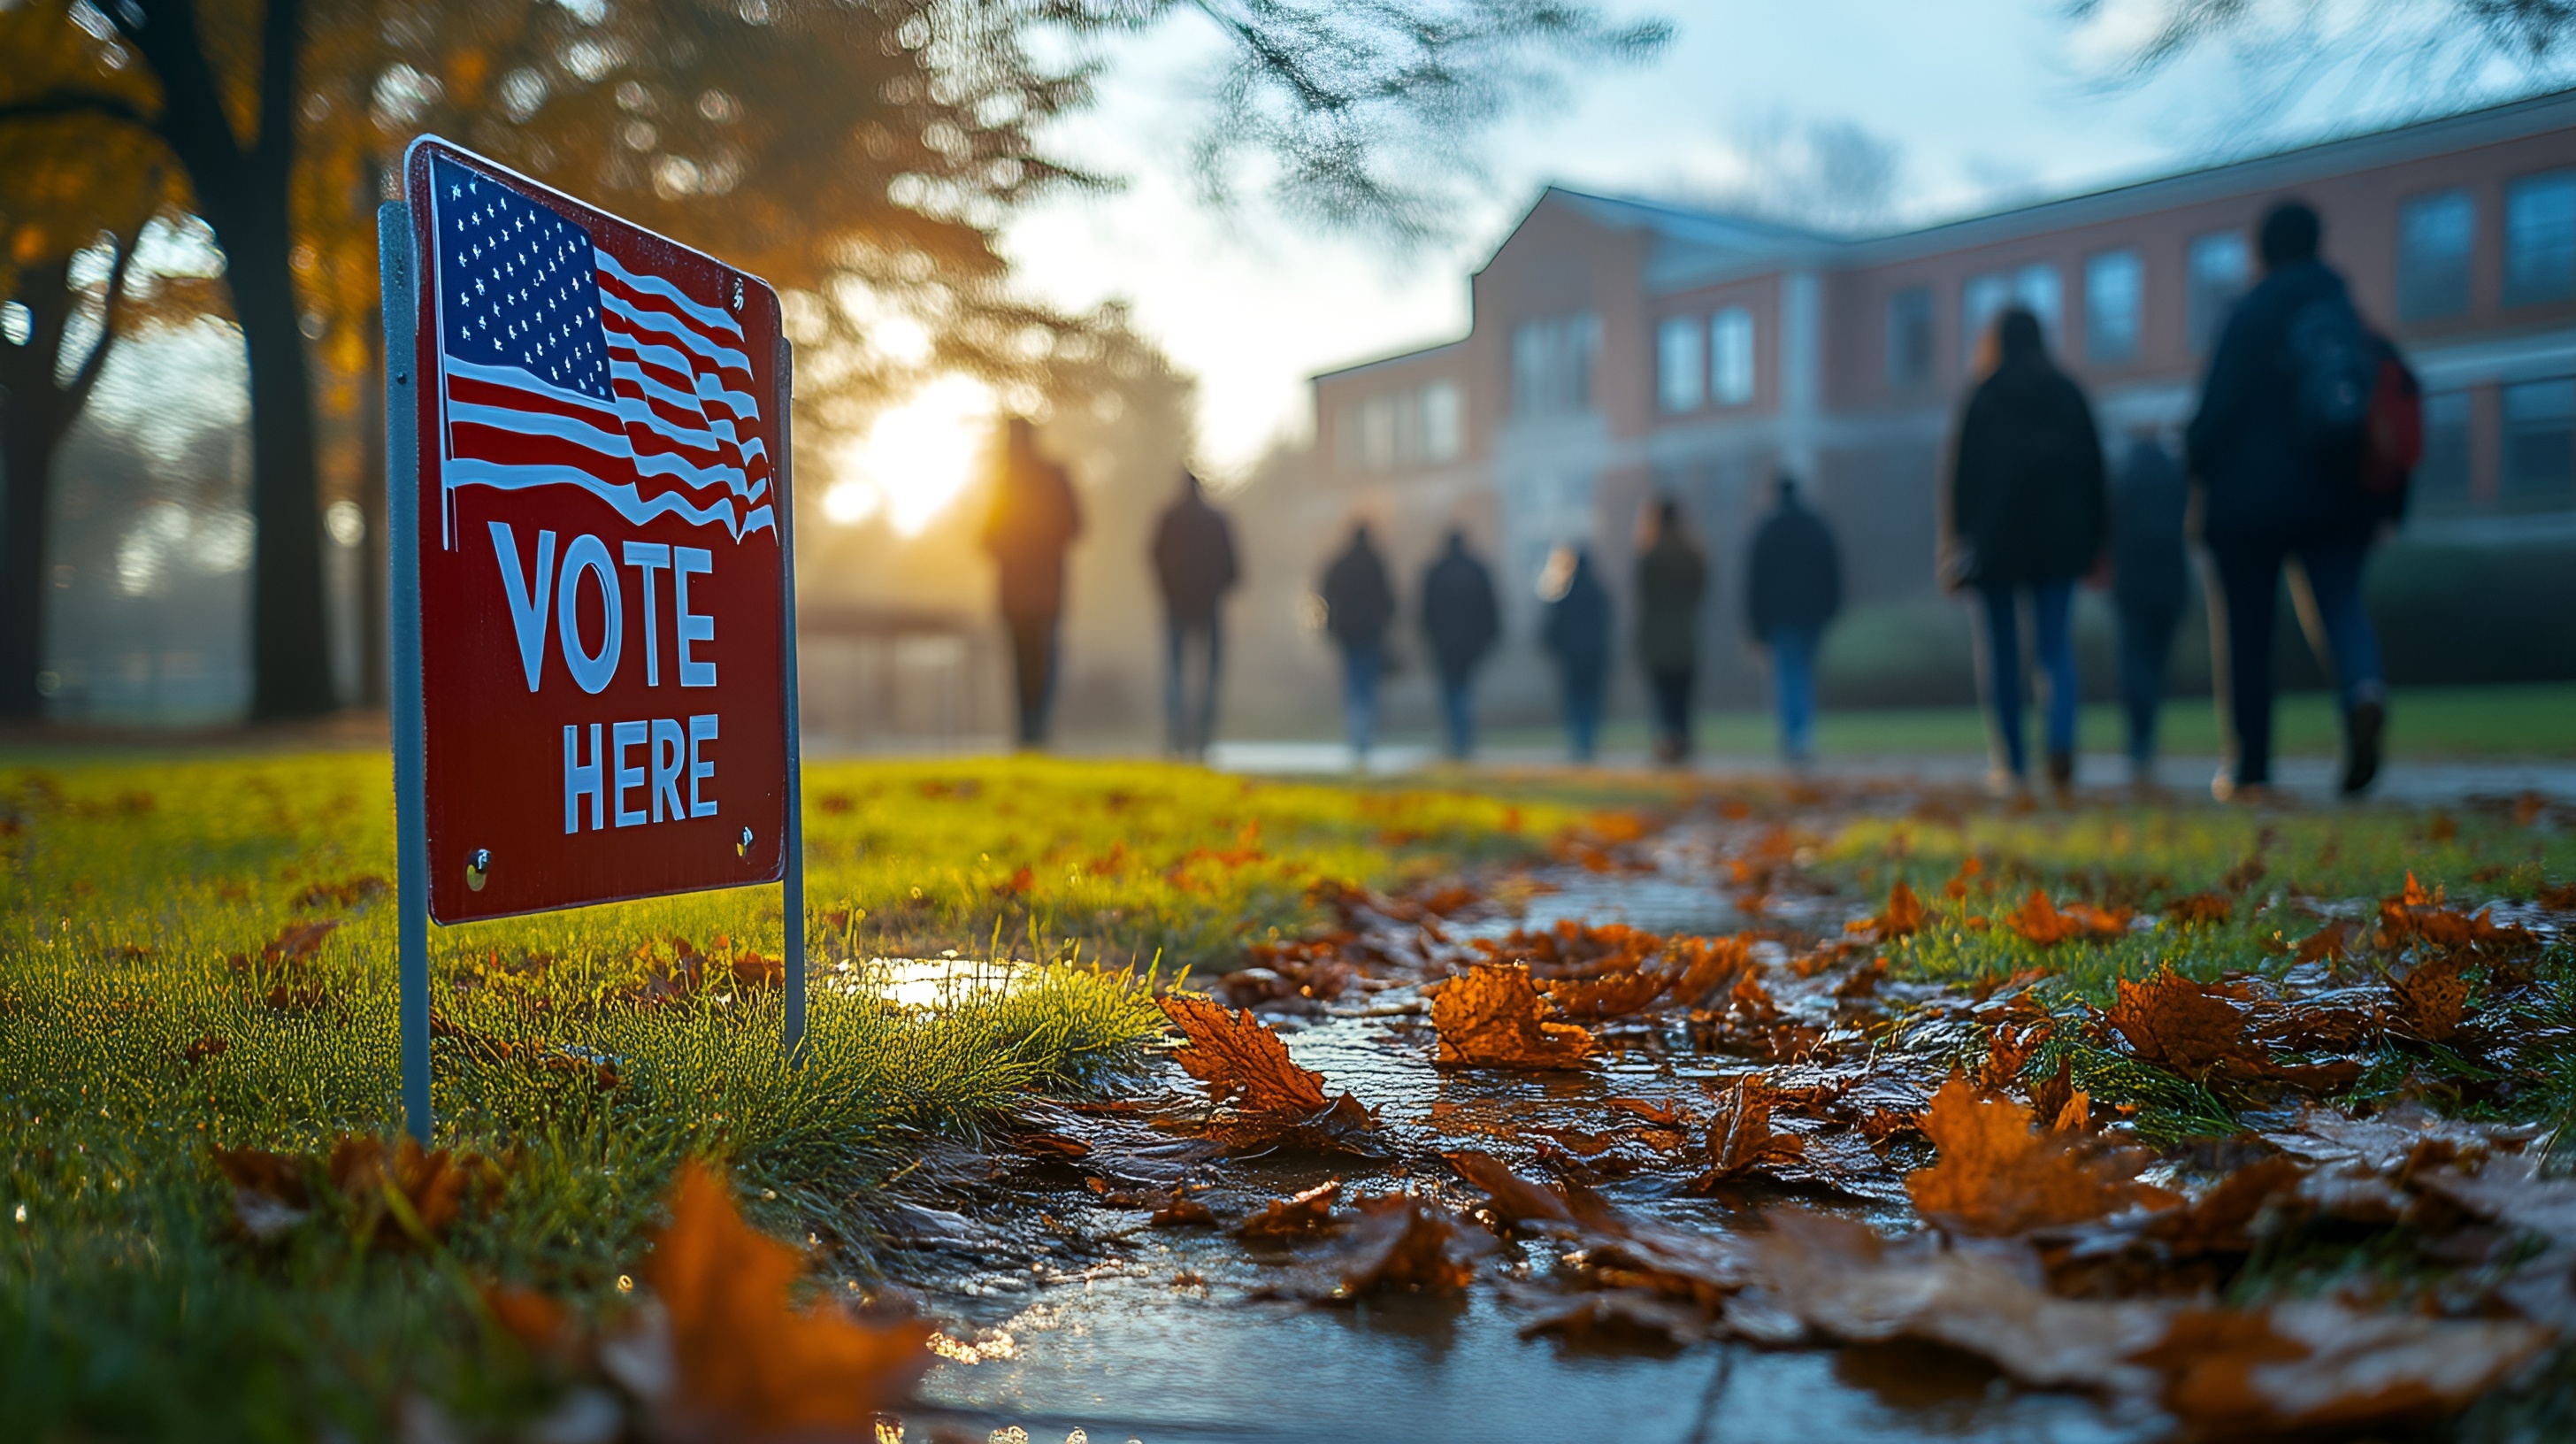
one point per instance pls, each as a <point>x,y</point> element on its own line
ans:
<point>1624,349</point>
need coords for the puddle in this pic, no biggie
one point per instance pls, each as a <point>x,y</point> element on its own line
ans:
<point>1081,1317</point>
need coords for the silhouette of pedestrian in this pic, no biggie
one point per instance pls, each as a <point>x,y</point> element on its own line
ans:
<point>1358,606</point>
<point>1672,577</point>
<point>1577,631</point>
<point>1793,586</point>
<point>1033,519</point>
<point>2149,585</point>
<point>1194,563</point>
<point>1460,622</point>
<point>2282,478</point>
<point>2026,520</point>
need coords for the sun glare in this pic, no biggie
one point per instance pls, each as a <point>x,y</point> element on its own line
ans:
<point>916,458</point>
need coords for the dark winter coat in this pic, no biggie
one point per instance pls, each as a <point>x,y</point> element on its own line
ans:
<point>2243,445</point>
<point>1794,576</point>
<point>2026,495</point>
<point>2149,495</point>
<point>1459,618</point>
<point>1672,577</point>
<point>1577,626</point>
<point>1034,518</point>
<point>1193,557</point>
<point>1358,601</point>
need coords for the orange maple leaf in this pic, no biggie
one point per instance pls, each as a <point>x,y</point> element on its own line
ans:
<point>1902,917</point>
<point>1491,1017</point>
<point>2192,1028</point>
<point>1240,1058</point>
<point>1611,996</point>
<point>1740,1140</point>
<point>745,1362</point>
<point>1996,1176</point>
<point>2044,923</point>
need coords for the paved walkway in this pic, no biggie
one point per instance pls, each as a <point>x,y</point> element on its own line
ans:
<point>2308,778</point>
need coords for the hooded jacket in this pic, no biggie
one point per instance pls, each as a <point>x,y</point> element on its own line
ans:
<point>1458,613</point>
<point>2026,493</point>
<point>1794,578</point>
<point>1358,601</point>
<point>1193,556</point>
<point>1034,518</point>
<point>1577,626</point>
<point>1672,577</point>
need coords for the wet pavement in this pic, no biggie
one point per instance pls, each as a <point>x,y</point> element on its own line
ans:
<point>1071,1318</point>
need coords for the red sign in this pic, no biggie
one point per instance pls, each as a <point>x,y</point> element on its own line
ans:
<point>602,618</point>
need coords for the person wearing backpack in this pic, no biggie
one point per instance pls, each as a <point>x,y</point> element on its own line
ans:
<point>2308,424</point>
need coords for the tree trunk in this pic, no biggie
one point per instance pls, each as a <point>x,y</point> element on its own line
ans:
<point>35,411</point>
<point>243,193</point>
<point>290,649</point>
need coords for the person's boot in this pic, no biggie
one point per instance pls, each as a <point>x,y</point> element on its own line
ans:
<point>2363,729</point>
<point>2061,774</point>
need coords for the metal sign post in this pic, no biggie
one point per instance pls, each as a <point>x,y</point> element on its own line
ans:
<point>593,582</point>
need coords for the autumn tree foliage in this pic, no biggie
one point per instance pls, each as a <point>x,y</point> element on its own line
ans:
<point>861,157</point>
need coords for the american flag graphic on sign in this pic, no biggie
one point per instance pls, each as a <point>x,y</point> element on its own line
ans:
<point>560,366</point>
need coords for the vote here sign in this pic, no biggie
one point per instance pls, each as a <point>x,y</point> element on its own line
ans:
<point>602,619</point>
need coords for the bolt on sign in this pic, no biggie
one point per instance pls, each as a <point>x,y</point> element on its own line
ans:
<point>593,581</point>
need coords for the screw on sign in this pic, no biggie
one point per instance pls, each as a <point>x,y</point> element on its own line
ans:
<point>593,564</point>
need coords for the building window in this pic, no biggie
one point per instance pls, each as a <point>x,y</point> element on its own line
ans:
<point>1402,428</point>
<point>1552,365</point>
<point>2114,296</point>
<point>2441,481</point>
<point>2540,239</point>
<point>2539,445</point>
<point>1444,422</point>
<point>2217,272</point>
<point>1909,338</point>
<point>1678,382</point>
<point>2037,289</point>
<point>2434,234</point>
<point>1730,356</point>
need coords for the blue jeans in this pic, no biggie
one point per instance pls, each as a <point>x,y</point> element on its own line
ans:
<point>1583,686</point>
<point>2146,644</point>
<point>1672,691</point>
<point>2052,605</point>
<point>1361,663</point>
<point>1793,688</point>
<point>1188,727</point>
<point>1458,712</point>
<point>2249,586</point>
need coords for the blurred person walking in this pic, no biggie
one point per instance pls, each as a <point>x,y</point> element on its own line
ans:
<point>1793,587</point>
<point>2149,496</point>
<point>1033,520</point>
<point>1576,630</point>
<point>2308,424</point>
<point>2026,519</point>
<point>1358,606</point>
<point>1672,578</point>
<point>1460,621</point>
<point>1194,563</point>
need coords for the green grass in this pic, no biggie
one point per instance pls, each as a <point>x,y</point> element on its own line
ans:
<point>129,1309</point>
<point>2428,724</point>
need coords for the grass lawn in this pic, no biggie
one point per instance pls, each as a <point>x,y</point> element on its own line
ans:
<point>167,989</point>
<point>2426,724</point>
<point>141,1028</point>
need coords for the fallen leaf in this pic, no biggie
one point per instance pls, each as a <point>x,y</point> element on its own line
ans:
<point>2432,997</point>
<point>270,1191</point>
<point>1513,1200</point>
<point>1997,1176</point>
<point>2192,1028</point>
<point>2042,922</point>
<point>1740,1141</point>
<point>1902,917</point>
<point>1296,1216</point>
<point>1240,1059</point>
<point>2333,942</point>
<point>2201,908</point>
<point>744,1361</point>
<point>1398,1244</point>
<point>1613,995</point>
<point>2316,1365</point>
<point>1491,1017</point>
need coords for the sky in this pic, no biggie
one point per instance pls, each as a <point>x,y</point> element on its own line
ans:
<point>1985,101</point>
